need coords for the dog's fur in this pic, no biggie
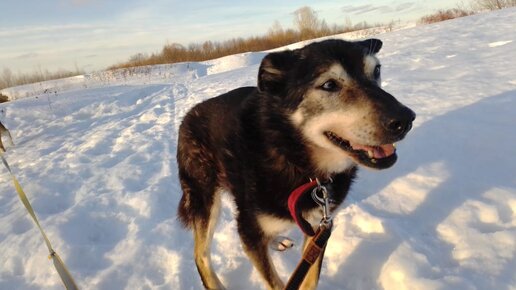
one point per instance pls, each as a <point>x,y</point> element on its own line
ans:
<point>316,113</point>
<point>5,132</point>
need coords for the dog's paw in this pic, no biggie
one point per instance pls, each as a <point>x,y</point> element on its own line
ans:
<point>281,243</point>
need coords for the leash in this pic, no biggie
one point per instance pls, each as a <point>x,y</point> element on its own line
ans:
<point>60,266</point>
<point>320,238</point>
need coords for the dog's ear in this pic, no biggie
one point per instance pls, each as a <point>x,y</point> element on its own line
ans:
<point>372,45</point>
<point>272,75</point>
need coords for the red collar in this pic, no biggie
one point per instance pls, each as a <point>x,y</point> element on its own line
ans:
<point>295,212</point>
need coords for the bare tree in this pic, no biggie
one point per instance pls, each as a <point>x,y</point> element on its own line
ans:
<point>139,57</point>
<point>493,4</point>
<point>306,21</point>
<point>347,23</point>
<point>7,78</point>
<point>276,28</point>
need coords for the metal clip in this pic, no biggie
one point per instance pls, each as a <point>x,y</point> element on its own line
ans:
<point>322,198</point>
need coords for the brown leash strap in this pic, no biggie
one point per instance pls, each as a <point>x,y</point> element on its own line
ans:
<point>60,266</point>
<point>310,255</point>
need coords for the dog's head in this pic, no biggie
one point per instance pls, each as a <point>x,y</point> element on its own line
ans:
<point>331,92</point>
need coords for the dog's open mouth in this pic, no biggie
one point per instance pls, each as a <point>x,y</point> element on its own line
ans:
<point>378,156</point>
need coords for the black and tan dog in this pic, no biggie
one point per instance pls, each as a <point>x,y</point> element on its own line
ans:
<point>4,131</point>
<point>317,112</point>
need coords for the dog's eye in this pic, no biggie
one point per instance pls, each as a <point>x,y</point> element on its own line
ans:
<point>330,86</point>
<point>377,71</point>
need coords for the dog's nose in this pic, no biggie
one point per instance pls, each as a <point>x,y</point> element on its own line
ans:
<point>400,125</point>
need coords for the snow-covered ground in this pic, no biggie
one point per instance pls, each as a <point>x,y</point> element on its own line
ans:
<point>98,163</point>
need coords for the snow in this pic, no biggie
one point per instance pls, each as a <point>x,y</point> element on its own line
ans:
<point>96,156</point>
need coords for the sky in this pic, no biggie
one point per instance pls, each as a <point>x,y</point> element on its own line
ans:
<point>94,34</point>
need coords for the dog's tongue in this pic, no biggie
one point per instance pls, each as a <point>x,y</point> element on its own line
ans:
<point>377,152</point>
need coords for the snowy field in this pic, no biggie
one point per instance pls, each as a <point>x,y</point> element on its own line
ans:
<point>97,159</point>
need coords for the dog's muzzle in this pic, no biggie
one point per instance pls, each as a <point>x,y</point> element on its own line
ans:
<point>397,127</point>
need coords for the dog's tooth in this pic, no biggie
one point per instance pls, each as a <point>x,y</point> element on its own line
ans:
<point>394,145</point>
<point>370,153</point>
<point>373,160</point>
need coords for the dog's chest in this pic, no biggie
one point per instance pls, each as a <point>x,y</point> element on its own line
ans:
<point>273,226</point>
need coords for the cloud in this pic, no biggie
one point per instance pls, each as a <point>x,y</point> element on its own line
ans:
<point>363,9</point>
<point>28,55</point>
<point>82,2</point>
<point>34,30</point>
<point>370,8</point>
<point>404,6</point>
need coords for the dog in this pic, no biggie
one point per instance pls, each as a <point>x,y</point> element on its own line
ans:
<point>5,132</point>
<point>317,112</point>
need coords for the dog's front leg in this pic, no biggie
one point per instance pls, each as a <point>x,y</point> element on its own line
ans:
<point>312,277</point>
<point>256,246</point>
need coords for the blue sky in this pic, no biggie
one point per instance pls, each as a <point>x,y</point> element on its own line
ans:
<point>93,34</point>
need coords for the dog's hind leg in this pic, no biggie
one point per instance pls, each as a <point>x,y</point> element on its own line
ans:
<point>199,210</point>
<point>256,246</point>
<point>312,277</point>
<point>203,228</point>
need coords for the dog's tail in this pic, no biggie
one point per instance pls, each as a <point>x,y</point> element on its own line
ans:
<point>184,214</point>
